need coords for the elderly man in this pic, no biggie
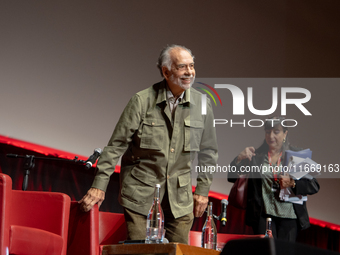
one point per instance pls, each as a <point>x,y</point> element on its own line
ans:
<point>159,134</point>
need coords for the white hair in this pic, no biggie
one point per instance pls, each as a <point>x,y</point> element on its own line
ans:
<point>164,58</point>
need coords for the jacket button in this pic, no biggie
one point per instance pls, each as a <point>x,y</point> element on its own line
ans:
<point>168,177</point>
<point>172,150</point>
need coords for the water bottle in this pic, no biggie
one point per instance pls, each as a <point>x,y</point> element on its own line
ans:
<point>209,231</point>
<point>155,220</point>
<point>269,233</point>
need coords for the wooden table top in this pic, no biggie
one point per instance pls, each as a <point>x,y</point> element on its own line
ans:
<point>168,248</point>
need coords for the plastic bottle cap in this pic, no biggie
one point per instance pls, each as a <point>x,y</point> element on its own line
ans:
<point>269,219</point>
<point>158,186</point>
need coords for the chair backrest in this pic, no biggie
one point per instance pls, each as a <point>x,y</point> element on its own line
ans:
<point>112,228</point>
<point>195,238</point>
<point>27,215</point>
<point>47,211</point>
<point>5,198</point>
<point>88,231</point>
<point>83,235</point>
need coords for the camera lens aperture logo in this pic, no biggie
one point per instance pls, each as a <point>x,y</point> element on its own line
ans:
<point>204,96</point>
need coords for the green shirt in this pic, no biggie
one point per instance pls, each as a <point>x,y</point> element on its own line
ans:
<point>155,150</point>
<point>272,204</point>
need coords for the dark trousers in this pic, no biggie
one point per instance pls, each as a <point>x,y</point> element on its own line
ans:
<point>177,230</point>
<point>282,228</point>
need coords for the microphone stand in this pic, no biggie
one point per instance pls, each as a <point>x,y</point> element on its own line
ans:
<point>216,217</point>
<point>29,164</point>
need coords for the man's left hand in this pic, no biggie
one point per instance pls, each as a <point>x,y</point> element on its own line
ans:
<point>200,204</point>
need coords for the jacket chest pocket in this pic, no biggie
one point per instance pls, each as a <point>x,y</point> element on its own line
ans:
<point>152,135</point>
<point>193,133</point>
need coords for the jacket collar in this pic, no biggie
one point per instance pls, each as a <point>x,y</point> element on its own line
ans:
<point>161,97</point>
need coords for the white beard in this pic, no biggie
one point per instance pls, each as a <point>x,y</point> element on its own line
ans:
<point>179,82</point>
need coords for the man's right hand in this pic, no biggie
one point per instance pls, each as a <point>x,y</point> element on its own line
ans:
<point>92,197</point>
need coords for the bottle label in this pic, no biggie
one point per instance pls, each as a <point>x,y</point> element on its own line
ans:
<point>209,239</point>
<point>269,234</point>
<point>209,245</point>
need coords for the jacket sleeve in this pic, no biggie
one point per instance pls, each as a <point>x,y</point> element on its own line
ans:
<point>119,142</point>
<point>306,186</point>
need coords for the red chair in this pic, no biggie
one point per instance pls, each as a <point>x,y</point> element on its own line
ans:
<point>89,231</point>
<point>5,198</point>
<point>33,222</point>
<point>195,238</point>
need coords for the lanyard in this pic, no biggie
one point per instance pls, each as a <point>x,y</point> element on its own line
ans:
<point>277,163</point>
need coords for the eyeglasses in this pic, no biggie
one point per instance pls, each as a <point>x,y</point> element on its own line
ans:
<point>183,67</point>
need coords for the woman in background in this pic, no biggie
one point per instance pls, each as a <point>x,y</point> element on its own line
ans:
<point>263,186</point>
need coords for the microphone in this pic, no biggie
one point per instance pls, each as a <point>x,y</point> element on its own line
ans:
<point>93,158</point>
<point>223,217</point>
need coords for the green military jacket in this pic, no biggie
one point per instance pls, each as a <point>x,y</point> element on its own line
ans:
<point>158,150</point>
